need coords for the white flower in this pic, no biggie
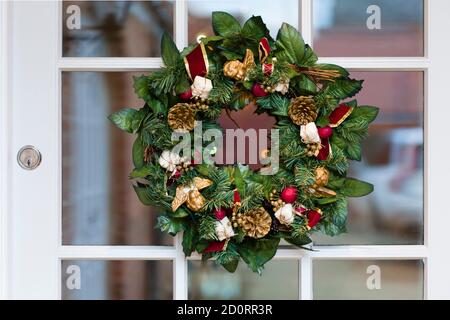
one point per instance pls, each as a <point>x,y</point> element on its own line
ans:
<point>224,229</point>
<point>282,86</point>
<point>201,87</point>
<point>169,160</point>
<point>285,214</point>
<point>309,133</point>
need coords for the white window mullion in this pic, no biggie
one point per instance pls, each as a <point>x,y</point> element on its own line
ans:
<point>306,278</point>
<point>306,23</point>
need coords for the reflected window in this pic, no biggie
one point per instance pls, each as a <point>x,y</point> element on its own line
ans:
<point>352,28</point>
<point>279,280</point>
<point>393,158</point>
<point>100,206</point>
<point>273,15</point>
<point>116,280</point>
<point>368,280</point>
<point>115,28</point>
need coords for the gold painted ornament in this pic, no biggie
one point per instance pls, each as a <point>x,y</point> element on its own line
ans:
<point>236,69</point>
<point>182,117</point>
<point>255,223</point>
<point>321,180</point>
<point>190,194</point>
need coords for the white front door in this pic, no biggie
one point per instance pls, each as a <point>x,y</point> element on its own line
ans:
<point>72,227</point>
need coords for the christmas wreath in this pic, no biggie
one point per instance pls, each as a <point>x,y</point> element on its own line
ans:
<point>229,212</point>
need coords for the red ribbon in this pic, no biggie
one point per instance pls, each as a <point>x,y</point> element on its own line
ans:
<point>313,217</point>
<point>264,51</point>
<point>196,62</point>
<point>335,119</point>
<point>215,246</point>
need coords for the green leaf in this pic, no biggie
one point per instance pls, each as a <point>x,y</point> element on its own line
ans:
<point>170,225</point>
<point>169,51</point>
<point>291,43</point>
<point>344,73</point>
<point>125,119</point>
<point>356,188</point>
<point>231,266</point>
<point>138,152</point>
<point>180,213</point>
<point>140,172</point>
<point>367,113</point>
<point>343,88</point>
<point>224,24</point>
<point>257,252</point>
<point>299,241</point>
<point>310,58</point>
<point>142,193</point>
<point>353,151</point>
<point>190,238</point>
<point>255,28</point>
<point>182,85</point>
<point>141,87</point>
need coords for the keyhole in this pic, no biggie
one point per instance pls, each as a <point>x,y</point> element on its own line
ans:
<point>28,162</point>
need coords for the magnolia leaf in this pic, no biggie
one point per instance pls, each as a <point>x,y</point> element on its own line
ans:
<point>190,238</point>
<point>169,51</point>
<point>231,266</point>
<point>257,252</point>
<point>291,44</point>
<point>367,113</point>
<point>254,28</point>
<point>343,88</point>
<point>127,119</point>
<point>141,87</point>
<point>356,188</point>
<point>224,24</point>
<point>138,152</point>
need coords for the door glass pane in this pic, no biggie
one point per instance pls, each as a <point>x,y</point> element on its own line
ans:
<point>100,206</point>
<point>272,14</point>
<point>279,280</point>
<point>393,158</point>
<point>115,28</point>
<point>352,28</point>
<point>116,280</point>
<point>365,279</point>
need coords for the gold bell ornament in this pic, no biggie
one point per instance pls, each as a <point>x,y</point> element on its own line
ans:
<point>190,194</point>
<point>236,69</point>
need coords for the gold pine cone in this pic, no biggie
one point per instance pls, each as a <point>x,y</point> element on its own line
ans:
<point>302,110</point>
<point>256,223</point>
<point>182,117</point>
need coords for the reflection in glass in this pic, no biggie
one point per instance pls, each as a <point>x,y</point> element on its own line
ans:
<point>100,206</point>
<point>116,280</point>
<point>344,28</point>
<point>115,28</point>
<point>273,15</point>
<point>279,280</point>
<point>392,161</point>
<point>364,279</point>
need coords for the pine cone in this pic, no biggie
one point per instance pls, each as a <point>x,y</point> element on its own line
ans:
<point>302,110</point>
<point>256,223</point>
<point>182,117</point>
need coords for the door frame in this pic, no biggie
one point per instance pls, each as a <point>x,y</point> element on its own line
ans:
<point>30,240</point>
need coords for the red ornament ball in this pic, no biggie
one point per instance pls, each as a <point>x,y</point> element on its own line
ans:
<point>289,194</point>
<point>187,95</point>
<point>258,90</point>
<point>220,213</point>
<point>325,132</point>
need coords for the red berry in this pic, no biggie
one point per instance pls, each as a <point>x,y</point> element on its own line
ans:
<point>186,95</point>
<point>325,132</point>
<point>220,213</point>
<point>289,194</point>
<point>258,90</point>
